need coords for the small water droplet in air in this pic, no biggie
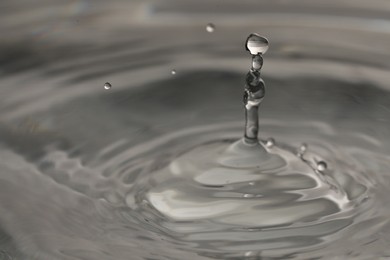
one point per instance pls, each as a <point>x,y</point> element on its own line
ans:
<point>256,44</point>
<point>173,72</point>
<point>210,27</point>
<point>321,166</point>
<point>302,149</point>
<point>251,183</point>
<point>107,86</point>
<point>270,142</point>
<point>248,195</point>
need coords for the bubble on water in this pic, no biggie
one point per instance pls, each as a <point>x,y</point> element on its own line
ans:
<point>210,27</point>
<point>107,86</point>
<point>321,166</point>
<point>173,72</point>
<point>256,44</point>
<point>270,142</point>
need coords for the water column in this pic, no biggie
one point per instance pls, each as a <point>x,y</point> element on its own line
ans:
<point>254,87</point>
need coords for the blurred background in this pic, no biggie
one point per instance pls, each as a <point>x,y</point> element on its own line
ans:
<point>57,52</point>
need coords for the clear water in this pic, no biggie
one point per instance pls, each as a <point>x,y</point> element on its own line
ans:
<point>153,167</point>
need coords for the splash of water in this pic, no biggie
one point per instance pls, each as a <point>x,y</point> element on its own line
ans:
<point>254,88</point>
<point>198,193</point>
<point>262,194</point>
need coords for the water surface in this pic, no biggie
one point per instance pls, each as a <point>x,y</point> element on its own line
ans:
<point>139,171</point>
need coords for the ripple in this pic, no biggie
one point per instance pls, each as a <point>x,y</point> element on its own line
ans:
<point>225,192</point>
<point>88,179</point>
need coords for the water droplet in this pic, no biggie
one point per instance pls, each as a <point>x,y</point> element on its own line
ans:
<point>107,86</point>
<point>210,27</point>
<point>321,166</point>
<point>270,142</point>
<point>303,148</point>
<point>256,44</point>
<point>173,72</point>
<point>251,183</point>
<point>257,62</point>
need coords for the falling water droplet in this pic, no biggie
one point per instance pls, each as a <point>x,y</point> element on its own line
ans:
<point>256,44</point>
<point>251,183</point>
<point>210,28</point>
<point>173,72</point>
<point>107,86</point>
<point>302,149</point>
<point>270,142</point>
<point>321,166</point>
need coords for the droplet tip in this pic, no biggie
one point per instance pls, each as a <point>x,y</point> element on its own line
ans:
<point>256,44</point>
